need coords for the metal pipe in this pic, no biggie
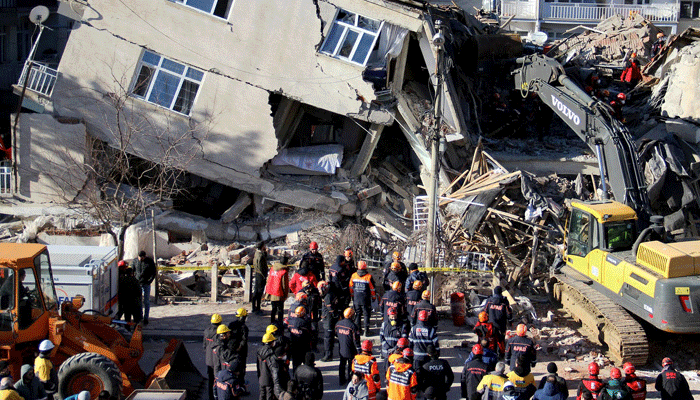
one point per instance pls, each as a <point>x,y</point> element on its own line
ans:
<point>601,167</point>
<point>577,91</point>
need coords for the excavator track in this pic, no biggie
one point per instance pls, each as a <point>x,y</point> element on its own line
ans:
<point>608,322</point>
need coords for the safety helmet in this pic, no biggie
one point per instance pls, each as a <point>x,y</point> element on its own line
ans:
<point>666,361</point>
<point>322,285</point>
<point>367,345</point>
<point>396,286</point>
<point>395,266</point>
<point>417,285</point>
<point>271,329</point>
<point>615,373</point>
<point>348,253</point>
<point>392,311</point>
<point>349,313</point>
<point>606,93</point>
<point>407,352</point>
<point>241,312</point>
<point>426,295</point>
<point>593,368</point>
<point>521,330</point>
<point>301,296</point>
<point>402,343</point>
<point>634,55</point>
<point>622,96</point>
<point>300,311</point>
<point>483,316</point>
<point>216,319</point>
<point>222,329</point>
<point>628,367</point>
<point>84,395</point>
<point>122,265</point>
<point>268,337</point>
<point>46,345</point>
<point>361,265</point>
<point>396,256</point>
<point>423,315</point>
<point>477,349</point>
<point>613,103</point>
<point>660,34</point>
<point>313,246</point>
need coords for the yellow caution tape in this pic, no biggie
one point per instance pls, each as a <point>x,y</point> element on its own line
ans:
<point>198,267</point>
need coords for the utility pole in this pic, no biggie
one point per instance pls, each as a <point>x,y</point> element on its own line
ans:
<point>431,239</point>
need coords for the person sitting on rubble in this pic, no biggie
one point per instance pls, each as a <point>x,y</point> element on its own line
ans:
<point>658,44</point>
<point>304,273</point>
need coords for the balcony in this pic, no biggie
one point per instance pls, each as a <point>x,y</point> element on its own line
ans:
<point>519,9</point>
<point>587,12</point>
<point>8,3</point>
<point>40,79</point>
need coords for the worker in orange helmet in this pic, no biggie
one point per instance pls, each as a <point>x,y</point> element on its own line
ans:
<point>396,274</point>
<point>402,380</point>
<point>413,297</point>
<point>521,344</point>
<point>395,258</point>
<point>299,335</point>
<point>362,288</point>
<point>394,298</point>
<point>591,384</point>
<point>636,385</point>
<point>484,329</point>
<point>425,305</point>
<point>366,364</point>
<point>348,343</point>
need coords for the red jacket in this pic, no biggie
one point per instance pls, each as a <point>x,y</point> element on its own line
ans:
<point>277,280</point>
<point>298,280</point>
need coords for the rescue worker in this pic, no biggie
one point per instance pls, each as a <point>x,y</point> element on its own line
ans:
<point>29,386</point>
<point>615,389</point>
<point>561,382</point>
<point>277,288</point>
<point>500,313</point>
<point>395,299</point>
<point>422,335</point>
<point>350,262</point>
<point>260,271</point>
<point>413,296</point>
<point>395,257</point>
<point>362,288</point>
<point>8,392</point>
<point>389,335</point>
<point>521,345</point>
<point>636,385</point>
<point>299,335</point>
<point>428,307</point>
<point>658,44</point>
<point>401,345</point>
<point>309,379</point>
<point>239,333</point>
<point>671,383</point>
<point>224,349</point>
<point>396,274</point>
<point>487,330</point>
<point>491,385</point>
<point>280,340</point>
<point>330,313</point>
<point>415,275</point>
<point>366,364</point>
<point>315,261</point>
<point>348,344</point>
<point>489,357</point>
<point>522,378</point>
<point>43,367</point>
<point>314,303</point>
<point>129,296</point>
<point>631,74</point>
<point>229,383</point>
<point>300,300</point>
<point>268,372</point>
<point>209,342</point>
<point>357,388</point>
<point>436,373</point>
<point>340,275</point>
<point>472,374</point>
<point>592,384</point>
<point>402,381</point>
<point>550,391</point>
<point>303,274</point>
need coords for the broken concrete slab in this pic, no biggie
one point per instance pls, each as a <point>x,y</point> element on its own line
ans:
<point>392,225</point>
<point>236,208</point>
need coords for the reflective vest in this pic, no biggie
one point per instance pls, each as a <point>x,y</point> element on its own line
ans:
<point>367,365</point>
<point>637,386</point>
<point>401,379</point>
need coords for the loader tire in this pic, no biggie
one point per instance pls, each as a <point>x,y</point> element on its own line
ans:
<point>89,371</point>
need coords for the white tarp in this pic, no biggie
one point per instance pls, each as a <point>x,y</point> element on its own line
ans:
<point>324,158</point>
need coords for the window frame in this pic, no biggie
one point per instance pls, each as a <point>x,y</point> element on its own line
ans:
<point>348,28</point>
<point>211,13</point>
<point>153,77</point>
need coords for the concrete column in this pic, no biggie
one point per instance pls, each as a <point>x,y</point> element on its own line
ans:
<point>214,283</point>
<point>370,143</point>
<point>248,284</point>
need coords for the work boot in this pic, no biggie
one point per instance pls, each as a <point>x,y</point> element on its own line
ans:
<point>145,321</point>
<point>327,358</point>
<point>366,331</point>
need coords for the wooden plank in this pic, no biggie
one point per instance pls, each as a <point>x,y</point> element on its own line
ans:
<point>395,187</point>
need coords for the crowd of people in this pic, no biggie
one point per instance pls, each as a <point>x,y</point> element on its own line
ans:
<point>338,309</point>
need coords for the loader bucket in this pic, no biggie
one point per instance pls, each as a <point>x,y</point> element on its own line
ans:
<point>175,370</point>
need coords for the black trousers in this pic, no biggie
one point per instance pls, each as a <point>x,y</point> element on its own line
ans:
<point>210,376</point>
<point>267,393</point>
<point>329,335</point>
<point>258,291</point>
<point>362,309</point>
<point>344,370</point>
<point>277,312</point>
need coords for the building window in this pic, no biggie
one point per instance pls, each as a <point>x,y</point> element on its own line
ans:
<point>690,9</point>
<point>352,37</point>
<point>220,8</point>
<point>167,83</point>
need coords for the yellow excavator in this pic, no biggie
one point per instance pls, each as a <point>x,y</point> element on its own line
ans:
<point>617,268</point>
<point>89,352</point>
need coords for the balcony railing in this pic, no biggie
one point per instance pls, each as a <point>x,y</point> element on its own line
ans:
<point>40,78</point>
<point>586,12</point>
<point>8,3</point>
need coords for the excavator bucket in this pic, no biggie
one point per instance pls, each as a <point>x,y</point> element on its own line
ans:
<point>175,370</point>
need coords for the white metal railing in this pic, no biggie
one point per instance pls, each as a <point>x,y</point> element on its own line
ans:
<point>519,9</point>
<point>5,177</point>
<point>599,12</point>
<point>8,3</point>
<point>40,78</point>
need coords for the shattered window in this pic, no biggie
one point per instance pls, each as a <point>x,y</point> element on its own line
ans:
<point>352,37</point>
<point>168,83</point>
<point>220,8</point>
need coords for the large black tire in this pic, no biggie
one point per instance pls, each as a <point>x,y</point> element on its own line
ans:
<point>89,371</point>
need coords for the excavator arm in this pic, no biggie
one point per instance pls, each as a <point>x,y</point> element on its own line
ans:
<point>592,121</point>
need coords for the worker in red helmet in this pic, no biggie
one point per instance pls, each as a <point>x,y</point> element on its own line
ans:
<point>401,345</point>
<point>425,305</point>
<point>422,335</point>
<point>671,384</point>
<point>315,261</point>
<point>390,333</point>
<point>521,344</point>
<point>636,385</point>
<point>401,269</point>
<point>362,288</point>
<point>615,389</point>
<point>402,380</point>
<point>394,298</point>
<point>485,329</point>
<point>591,384</point>
<point>488,356</point>
<point>366,364</point>
<point>472,373</point>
